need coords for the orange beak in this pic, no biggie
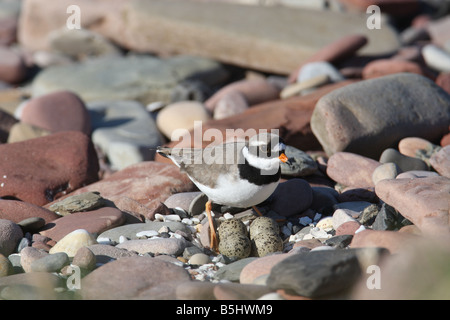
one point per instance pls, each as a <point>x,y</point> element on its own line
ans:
<point>283,157</point>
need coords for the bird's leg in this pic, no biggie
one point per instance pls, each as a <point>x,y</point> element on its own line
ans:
<point>212,231</point>
<point>257,211</point>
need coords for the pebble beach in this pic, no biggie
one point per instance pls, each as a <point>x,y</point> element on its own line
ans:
<point>358,90</point>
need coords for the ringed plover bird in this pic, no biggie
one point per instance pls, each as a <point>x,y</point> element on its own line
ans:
<point>237,174</point>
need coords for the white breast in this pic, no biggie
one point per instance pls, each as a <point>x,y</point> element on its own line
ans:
<point>237,192</point>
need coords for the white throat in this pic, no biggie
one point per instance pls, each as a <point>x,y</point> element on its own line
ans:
<point>270,165</point>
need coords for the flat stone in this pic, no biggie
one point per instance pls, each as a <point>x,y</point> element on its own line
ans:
<point>384,67</point>
<point>237,291</point>
<point>260,266</point>
<point>440,161</point>
<point>253,91</point>
<point>350,169</point>
<point>155,27</point>
<point>106,253</point>
<point>18,211</point>
<point>195,290</point>
<point>95,221</point>
<point>132,278</point>
<point>424,201</point>
<point>148,183</point>
<point>30,175</point>
<point>130,230</point>
<point>41,284</point>
<point>335,51</point>
<point>81,44</point>
<point>170,246</point>
<point>316,274</point>
<point>232,271</point>
<point>391,240</point>
<point>83,202</point>
<point>124,131</point>
<point>299,164</point>
<point>110,78</point>
<point>355,118</point>
<point>425,261</point>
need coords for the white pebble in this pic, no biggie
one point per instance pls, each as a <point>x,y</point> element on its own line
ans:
<point>195,220</point>
<point>319,233</point>
<point>271,296</point>
<point>323,248</point>
<point>147,233</point>
<point>104,240</point>
<point>163,229</point>
<point>187,221</point>
<point>228,216</point>
<point>159,217</point>
<point>176,235</point>
<point>172,217</point>
<point>122,239</point>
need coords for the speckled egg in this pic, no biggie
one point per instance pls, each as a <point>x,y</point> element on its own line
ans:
<point>235,246</point>
<point>231,226</point>
<point>266,243</point>
<point>263,225</point>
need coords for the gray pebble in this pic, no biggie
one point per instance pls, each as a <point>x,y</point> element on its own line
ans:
<point>50,263</point>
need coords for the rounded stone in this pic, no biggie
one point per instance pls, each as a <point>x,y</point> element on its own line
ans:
<point>405,163</point>
<point>263,225</point>
<point>73,241</point>
<point>383,67</point>
<point>266,243</point>
<point>230,104</point>
<point>291,197</point>
<point>199,259</point>
<point>436,58</point>
<point>10,235</point>
<point>32,224</point>
<point>50,263</point>
<point>387,170</point>
<point>178,118</point>
<point>28,255</point>
<point>231,226</point>
<point>6,267</point>
<point>12,66</point>
<point>85,259</point>
<point>57,111</point>
<point>235,246</point>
